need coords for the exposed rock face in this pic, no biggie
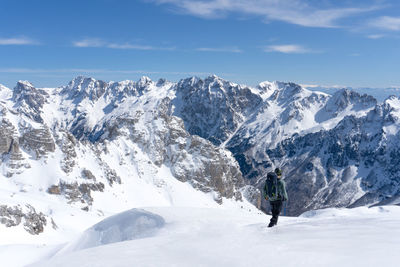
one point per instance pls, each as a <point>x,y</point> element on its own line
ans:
<point>10,149</point>
<point>39,141</point>
<point>32,221</point>
<point>212,171</point>
<point>80,193</point>
<point>7,131</point>
<point>67,142</point>
<point>14,160</point>
<point>213,108</point>
<point>111,175</point>
<point>86,174</point>
<point>29,100</point>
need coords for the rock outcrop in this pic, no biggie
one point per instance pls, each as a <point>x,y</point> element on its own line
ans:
<point>33,222</point>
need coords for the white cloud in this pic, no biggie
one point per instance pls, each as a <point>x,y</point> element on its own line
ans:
<point>287,49</point>
<point>130,46</point>
<point>89,43</point>
<point>138,47</point>
<point>375,36</point>
<point>297,12</point>
<point>220,49</point>
<point>96,42</point>
<point>386,23</point>
<point>17,41</point>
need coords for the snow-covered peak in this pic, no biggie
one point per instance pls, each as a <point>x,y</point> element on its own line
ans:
<point>144,81</point>
<point>392,106</point>
<point>190,82</point>
<point>24,83</point>
<point>80,81</point>
<point>212,83</point>
<point>29,100</point>
<point>392,100</point>
<point>282,92</point>
<point>23,87</point>
<point>5,92</point>
<point>266,85</point>
<point>346,98</point>
<point>213,78</point>
<point>126,87</point>
<point>287,92</point>
<point>82,87</point>
<point>162,82</point>
<point>25,90</point>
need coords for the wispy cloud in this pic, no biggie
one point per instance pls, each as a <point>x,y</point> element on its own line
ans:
<point>297,12</point>
<point>92,42</point>
<point>219,49</point>
<point>288,49</point>
<point>18,41</point>
<point>375,36</point>
<point>386,23</point>
<point>96,42</point>
<point>76,71</point>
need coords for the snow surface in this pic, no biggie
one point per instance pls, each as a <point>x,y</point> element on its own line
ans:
<point>129,225</point>
<point>238,237</point>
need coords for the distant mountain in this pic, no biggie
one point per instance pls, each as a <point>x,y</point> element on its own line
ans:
<point>379,93</point>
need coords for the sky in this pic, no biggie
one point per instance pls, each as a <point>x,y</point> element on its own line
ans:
<point>315,42</point>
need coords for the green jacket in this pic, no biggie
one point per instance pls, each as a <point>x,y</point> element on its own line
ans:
<point>282,194</point>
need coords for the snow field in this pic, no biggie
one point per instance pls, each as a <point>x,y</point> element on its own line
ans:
<point>231,237</point>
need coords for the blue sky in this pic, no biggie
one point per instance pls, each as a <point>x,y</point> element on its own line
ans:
<point>324,42</point>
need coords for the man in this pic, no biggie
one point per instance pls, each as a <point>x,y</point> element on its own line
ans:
<point>275,192</point>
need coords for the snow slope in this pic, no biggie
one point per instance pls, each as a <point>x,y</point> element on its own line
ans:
<point>231,237</point>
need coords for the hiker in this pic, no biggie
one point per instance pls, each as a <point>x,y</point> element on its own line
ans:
<point>275,192</point>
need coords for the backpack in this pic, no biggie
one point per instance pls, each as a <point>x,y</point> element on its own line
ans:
<point>271,186</point>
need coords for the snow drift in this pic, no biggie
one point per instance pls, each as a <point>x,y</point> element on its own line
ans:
<point>128,225</point>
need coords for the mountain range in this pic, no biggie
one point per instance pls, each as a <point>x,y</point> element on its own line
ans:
<point>96,148</point>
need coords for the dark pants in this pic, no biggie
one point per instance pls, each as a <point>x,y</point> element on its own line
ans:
<point>276,208</point>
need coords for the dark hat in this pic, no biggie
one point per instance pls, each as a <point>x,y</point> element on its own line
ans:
<point>278,171</point>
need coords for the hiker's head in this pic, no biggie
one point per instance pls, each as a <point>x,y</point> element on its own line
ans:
<point>278,172</point>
